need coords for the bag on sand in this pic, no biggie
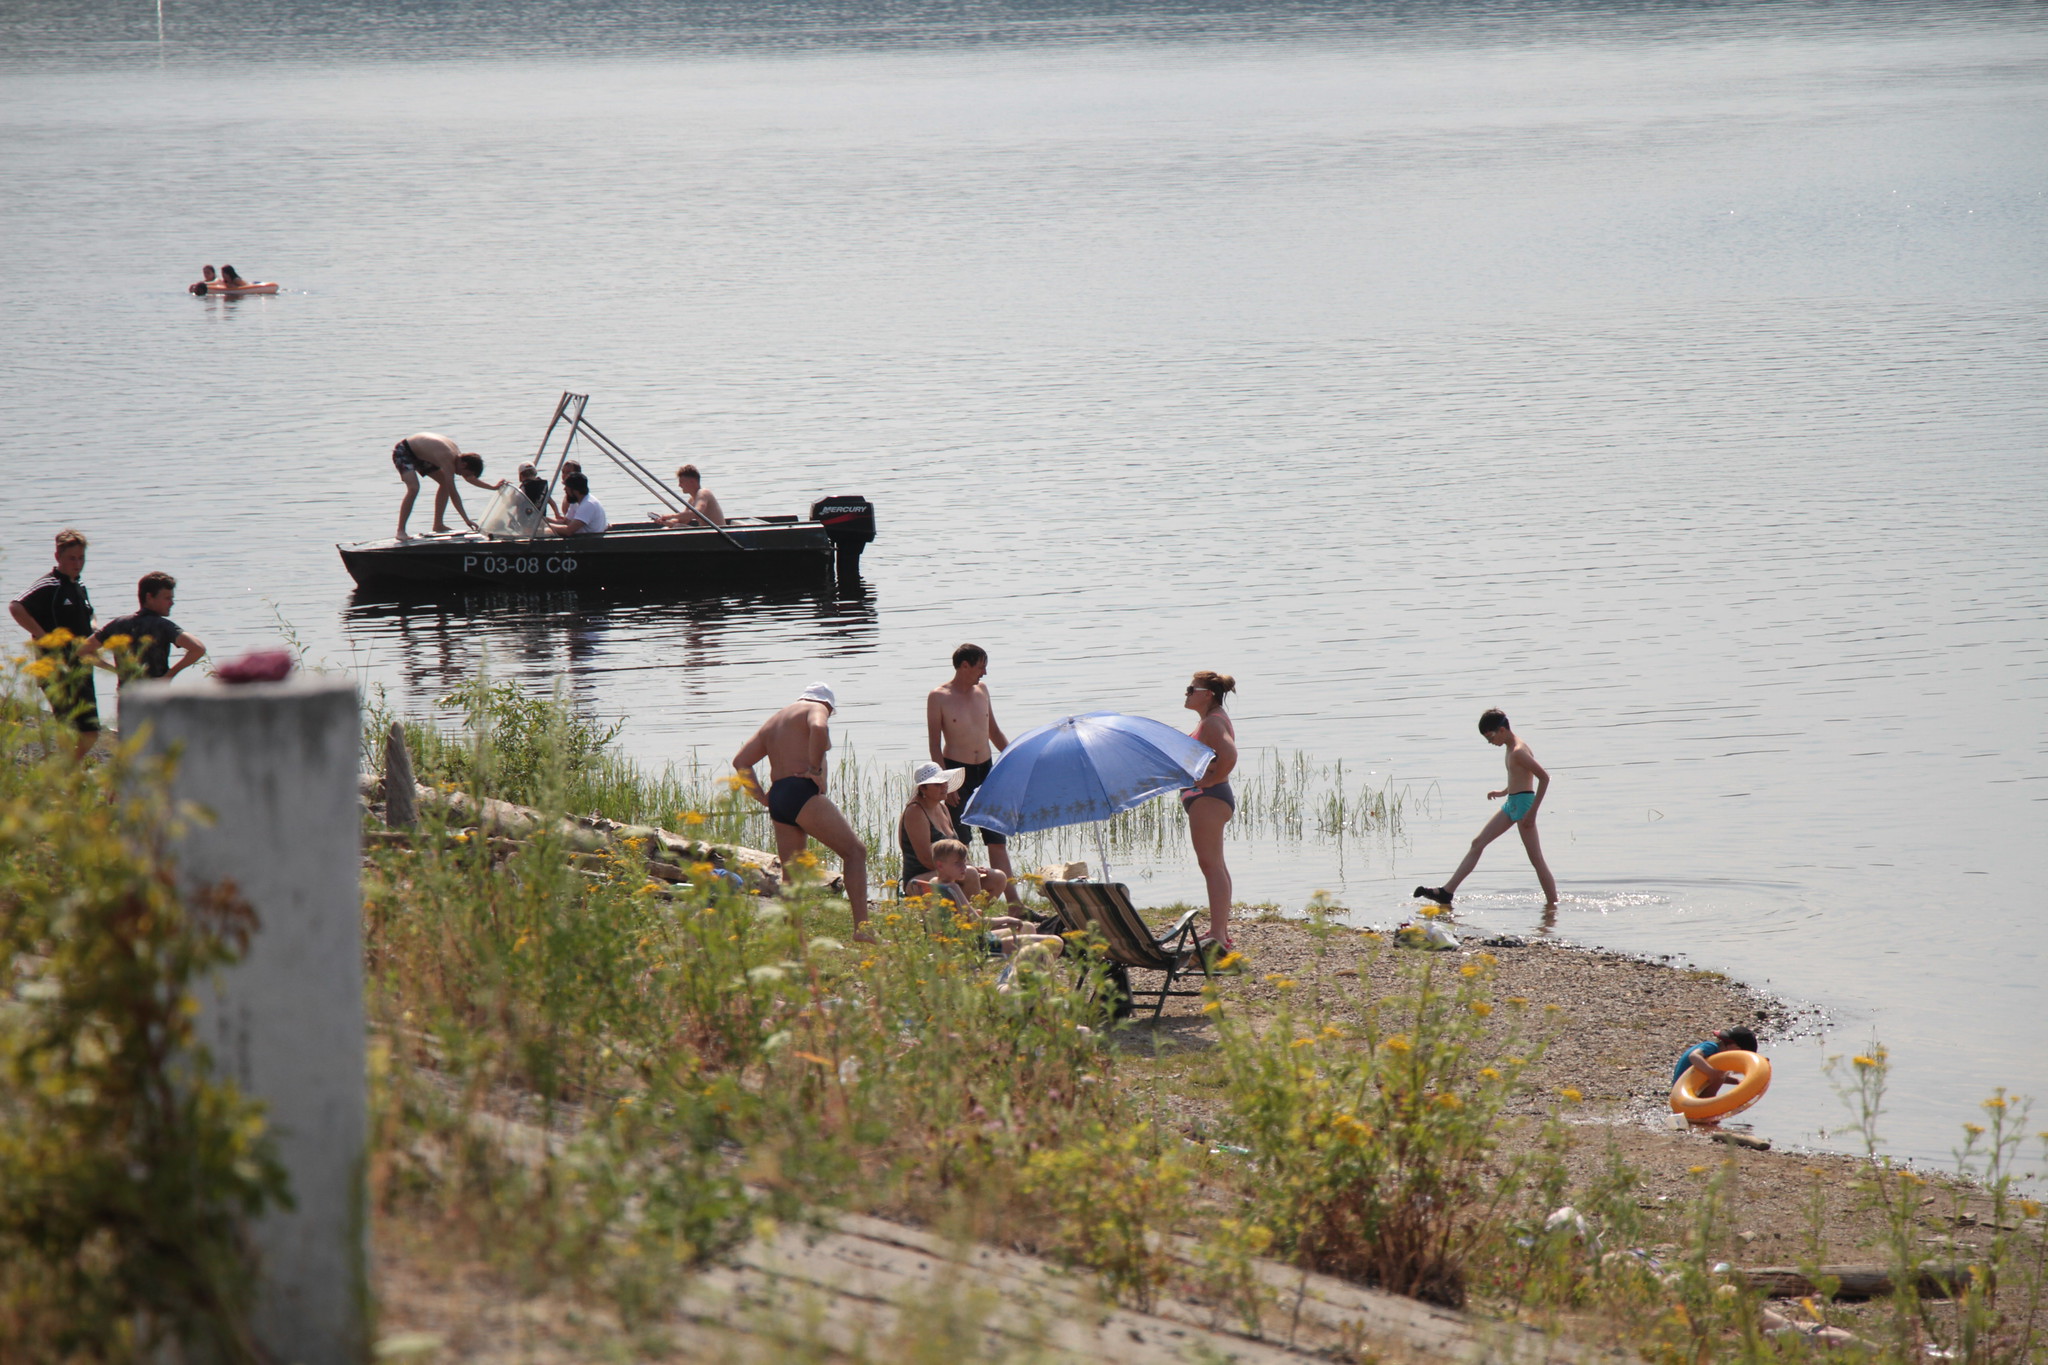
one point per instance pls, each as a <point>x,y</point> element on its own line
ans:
<point>1432,935</point>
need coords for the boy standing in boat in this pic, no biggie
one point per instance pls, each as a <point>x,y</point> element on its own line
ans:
<point>439,459</point>
<point>1527,784</point>
<point>794,741</point>
<point>960,725</point>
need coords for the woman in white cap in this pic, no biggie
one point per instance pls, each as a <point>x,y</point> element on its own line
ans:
<point>926,820</point>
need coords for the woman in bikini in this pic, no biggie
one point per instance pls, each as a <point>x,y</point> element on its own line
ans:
<point>925,821</point>
<point>1210,805</point>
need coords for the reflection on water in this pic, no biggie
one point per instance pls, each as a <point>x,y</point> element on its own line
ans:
<point>432,644</point>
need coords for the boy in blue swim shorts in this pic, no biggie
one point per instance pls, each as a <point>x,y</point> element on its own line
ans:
<point>1527,784</point>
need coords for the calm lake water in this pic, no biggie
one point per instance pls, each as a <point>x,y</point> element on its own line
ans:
<point>1668,375</point>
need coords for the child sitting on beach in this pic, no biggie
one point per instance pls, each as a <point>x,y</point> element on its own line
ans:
<point>1712,1078</point>
<point>1006,933</point>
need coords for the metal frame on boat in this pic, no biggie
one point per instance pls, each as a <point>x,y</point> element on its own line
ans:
<point>745,551</point>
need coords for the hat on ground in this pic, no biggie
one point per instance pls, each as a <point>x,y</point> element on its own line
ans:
<point>820,692</point>
<point>929,773</point>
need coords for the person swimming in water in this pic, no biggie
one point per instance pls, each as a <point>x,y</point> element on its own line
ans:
<point>207,279</point>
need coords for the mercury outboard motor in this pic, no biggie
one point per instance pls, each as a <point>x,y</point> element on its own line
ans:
<point>850,521</point>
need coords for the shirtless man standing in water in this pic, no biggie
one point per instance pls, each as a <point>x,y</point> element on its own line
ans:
<point>794,741</point>
<point>961,725</point>
<point>1527,785</point>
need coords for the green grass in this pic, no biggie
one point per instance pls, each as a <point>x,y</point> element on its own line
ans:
<point>592,1085</point>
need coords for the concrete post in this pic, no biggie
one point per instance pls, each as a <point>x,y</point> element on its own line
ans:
<point>276,764</point>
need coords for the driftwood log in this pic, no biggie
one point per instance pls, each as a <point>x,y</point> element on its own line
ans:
<point>1858,1281</point>
<point>590,834</point>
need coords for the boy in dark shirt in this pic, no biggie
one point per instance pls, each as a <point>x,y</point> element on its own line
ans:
<point>57,609</point>
<point>141,642</point>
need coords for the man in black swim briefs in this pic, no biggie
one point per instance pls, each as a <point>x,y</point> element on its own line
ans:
<point>960,724</point>
<point>795,741</point>
<point>426,455</point>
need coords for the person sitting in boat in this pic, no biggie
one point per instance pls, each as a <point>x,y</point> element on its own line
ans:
<point>439,459</point>
<point>582,515</point>
<point>703,504</point>
<point>207,280</point>
<point>536,489</point>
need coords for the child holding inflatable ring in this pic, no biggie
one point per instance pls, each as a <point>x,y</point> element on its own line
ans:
<point>1711,1077</point>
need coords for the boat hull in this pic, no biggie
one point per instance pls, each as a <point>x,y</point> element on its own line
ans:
<point>647,558</point>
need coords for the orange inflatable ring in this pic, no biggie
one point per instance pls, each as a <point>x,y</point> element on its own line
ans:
<point>1756,1078</point>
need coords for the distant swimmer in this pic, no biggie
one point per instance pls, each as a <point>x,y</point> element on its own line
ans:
<point>794,741</point>
<point>1527,785</point>
<point>207,280</point>
<point>230,280</point>
<point>439,459</point>
<point>703,504</point>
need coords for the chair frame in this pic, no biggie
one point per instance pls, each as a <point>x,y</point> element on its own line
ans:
<point>1106,908</point>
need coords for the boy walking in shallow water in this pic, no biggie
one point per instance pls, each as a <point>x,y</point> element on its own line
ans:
<point>1527,784</point>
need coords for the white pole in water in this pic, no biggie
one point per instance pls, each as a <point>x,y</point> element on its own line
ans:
<point>159,29</point>
<point>275,764</point>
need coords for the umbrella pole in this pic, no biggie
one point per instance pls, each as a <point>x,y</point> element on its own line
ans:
<point>1101,851</point>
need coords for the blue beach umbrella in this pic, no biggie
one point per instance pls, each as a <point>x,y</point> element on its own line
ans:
<point>1084,768</point>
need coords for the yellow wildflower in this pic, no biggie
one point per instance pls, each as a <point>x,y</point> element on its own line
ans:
<point>1482,1008</point>
<point>1212,1007</point>
<point>1860,1060</point>
<point>693,817</point>
<point>1398,1043</point>
<point>1449,1102</point>
<point>42,670</point>
<point>1995,1102</point>
<point>56,639</point>
<point>1302,1042</point>
<point>1489,1073</point>
<point>1571,1094</point>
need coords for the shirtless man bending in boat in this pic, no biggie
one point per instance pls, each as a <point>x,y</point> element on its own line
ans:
<point>960,723</point>
<point>440,459</point>
<point>794,741</point>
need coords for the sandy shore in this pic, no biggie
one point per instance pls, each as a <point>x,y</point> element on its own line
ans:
<point>1622,1024</point>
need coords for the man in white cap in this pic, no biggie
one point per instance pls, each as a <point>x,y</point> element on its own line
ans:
<point>794,741</point>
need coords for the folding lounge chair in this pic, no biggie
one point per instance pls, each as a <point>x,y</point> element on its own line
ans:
<point>1106,908</point>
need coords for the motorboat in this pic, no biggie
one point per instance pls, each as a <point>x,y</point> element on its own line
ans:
<point>512,547</point>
